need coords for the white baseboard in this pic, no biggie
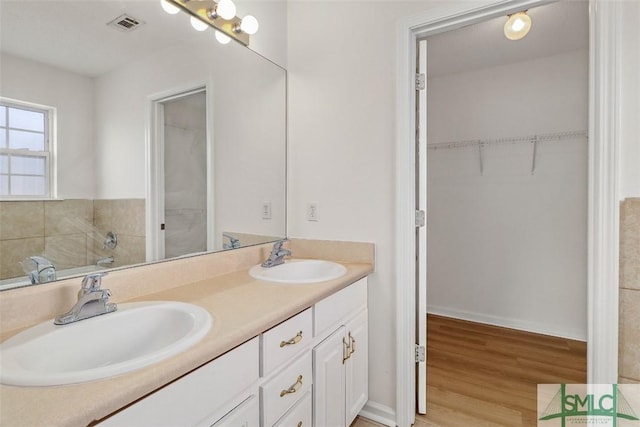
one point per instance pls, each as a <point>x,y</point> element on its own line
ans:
<point>379,413</point>
<point>506,322</point>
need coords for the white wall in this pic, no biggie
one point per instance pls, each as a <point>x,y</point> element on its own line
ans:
<point>341,133</point>
<point>72,95</point>
<point>630,100</point>
<point>508,247</point>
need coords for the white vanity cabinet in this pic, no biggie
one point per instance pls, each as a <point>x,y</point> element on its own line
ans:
<point>340,361</point>
<point>309,370</point>
<point>224,392</point>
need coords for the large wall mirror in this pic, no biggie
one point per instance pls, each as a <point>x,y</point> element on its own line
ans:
<point>158,141</point>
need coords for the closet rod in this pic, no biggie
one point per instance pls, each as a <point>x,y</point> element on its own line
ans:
<point>543,137</point>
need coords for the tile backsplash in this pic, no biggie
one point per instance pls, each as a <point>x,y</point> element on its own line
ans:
<point>629,332</point>
<point>70,233</point>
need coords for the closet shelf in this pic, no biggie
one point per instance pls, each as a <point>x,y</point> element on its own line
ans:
<point>543,137</point>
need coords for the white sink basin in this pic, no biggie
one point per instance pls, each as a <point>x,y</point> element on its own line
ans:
<point>134,336</point>
<point>300,271</point>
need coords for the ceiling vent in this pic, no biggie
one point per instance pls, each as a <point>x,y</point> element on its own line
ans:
<point>125,23</point>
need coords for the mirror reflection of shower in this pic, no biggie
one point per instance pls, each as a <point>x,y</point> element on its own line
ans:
<point>185,174</point>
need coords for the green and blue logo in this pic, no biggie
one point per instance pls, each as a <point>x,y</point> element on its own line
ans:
<point>581,404</point>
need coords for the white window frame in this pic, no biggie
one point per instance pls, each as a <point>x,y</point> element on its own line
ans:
<point>49,152</point>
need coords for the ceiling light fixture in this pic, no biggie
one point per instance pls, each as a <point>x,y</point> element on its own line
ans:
<point>220,15</point>
<point>517,26</point>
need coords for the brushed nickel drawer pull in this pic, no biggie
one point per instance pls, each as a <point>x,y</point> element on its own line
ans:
<point>352,344</point>
<point>346,351</point>
<point>293,388</point>
<point>292,341</point>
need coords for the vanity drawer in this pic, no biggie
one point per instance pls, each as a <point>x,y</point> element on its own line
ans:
<point>286,341</point>
<point>284,390</point>
<point>332,311</point>
<point>298,416</point>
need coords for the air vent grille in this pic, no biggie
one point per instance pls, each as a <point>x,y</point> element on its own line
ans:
<point>125,23</point>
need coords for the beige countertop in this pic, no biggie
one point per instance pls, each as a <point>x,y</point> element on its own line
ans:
<point>241,307</point>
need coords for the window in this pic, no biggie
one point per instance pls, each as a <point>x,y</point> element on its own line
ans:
<point>25,150</point>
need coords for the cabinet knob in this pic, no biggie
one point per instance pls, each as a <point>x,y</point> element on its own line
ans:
<point>293,388</point>
<point>292,341</point>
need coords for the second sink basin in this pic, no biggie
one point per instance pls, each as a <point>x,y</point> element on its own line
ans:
<point>134,336</point>
<point>300,271</point>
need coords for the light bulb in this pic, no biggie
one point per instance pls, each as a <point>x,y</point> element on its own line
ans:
<point>249,25</point>
<point>517,26</point>
<point>222,38</point>
<point>171,9</point>
<point>226,9</point>
<point>198,25</point>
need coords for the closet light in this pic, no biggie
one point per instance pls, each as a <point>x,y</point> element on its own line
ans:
<point>169,8</point>
<point>198,25</point>
<point>517,26</point>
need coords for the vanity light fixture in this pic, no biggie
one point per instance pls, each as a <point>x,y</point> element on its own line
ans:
<point>226,9</point>
<point>249,25</point>
<point>169,8</point>
<point>222,37</point>
<point>220,15</point>
<point>198,25</point>
<point>517,26</point>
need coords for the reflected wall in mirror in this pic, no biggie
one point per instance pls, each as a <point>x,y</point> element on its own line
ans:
<point>108,91</point>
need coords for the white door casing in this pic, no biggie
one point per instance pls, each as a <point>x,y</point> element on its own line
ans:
<point>421,231</point>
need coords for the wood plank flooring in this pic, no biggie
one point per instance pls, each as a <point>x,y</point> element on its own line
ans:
<point>486,376</point>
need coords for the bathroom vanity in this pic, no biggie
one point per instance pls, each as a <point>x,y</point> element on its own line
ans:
<point>274,353</point>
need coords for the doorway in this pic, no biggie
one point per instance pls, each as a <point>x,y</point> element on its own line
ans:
<point>602,186</point>
<point>506,173</point>
<point>181,216</point>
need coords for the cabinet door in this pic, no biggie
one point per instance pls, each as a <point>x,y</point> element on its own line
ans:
<point>247,414</point>
<point>204,394</point>
<point>329,381</point>
<point>357,366</point>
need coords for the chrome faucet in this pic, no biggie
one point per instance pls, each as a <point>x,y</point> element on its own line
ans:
<point>277,255</point>
<point>233,242</point>
<point>39,270</point>
<point>104,262</point>
<point>92,301</point>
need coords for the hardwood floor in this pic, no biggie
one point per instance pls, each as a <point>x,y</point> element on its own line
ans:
<point>481,375</point>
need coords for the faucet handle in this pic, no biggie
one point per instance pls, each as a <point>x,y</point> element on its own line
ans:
<point>92,282</point>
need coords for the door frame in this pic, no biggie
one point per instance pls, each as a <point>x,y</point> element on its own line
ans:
<point>155,165</point>
<point>603,193</point>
